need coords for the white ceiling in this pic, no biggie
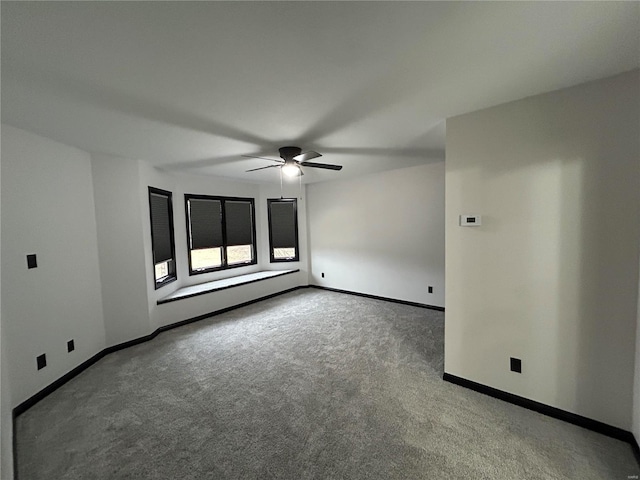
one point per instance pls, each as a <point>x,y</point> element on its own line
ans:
<point>192,86</point>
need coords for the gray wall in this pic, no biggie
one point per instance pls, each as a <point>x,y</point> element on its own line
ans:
<point>551,276</point>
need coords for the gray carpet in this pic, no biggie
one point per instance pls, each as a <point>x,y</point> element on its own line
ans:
<point>307,385</point>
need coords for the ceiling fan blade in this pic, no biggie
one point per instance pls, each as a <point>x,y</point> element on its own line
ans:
<point>321,165</point>
<point>303,157</point>
<point>262,168</point>
<point>264,158</point>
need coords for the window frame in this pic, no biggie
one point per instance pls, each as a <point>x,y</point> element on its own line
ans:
<point>293,201</point>
<point>172,276</point>
<point>224,246</point>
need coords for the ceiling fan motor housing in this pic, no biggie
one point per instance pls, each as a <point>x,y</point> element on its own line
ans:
<point>287,153</point>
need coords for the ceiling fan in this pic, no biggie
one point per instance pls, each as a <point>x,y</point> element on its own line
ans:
<point>293,159</point>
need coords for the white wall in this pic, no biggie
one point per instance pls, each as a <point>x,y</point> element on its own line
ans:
<point>121,248</point>
<point>635,427</point>
<point>551,277</point>
<point>6,423</point>
<point>126,264</point>
<point>87,219</point>
<point>47,209</point>
<point>179,184</point>
<point>124,238</point>
<point>381,234</point>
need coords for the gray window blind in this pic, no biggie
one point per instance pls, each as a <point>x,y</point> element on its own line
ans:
<point>205,219</point>
<point>238,219</point>
<point>161,227</point>
<point>283,224</point>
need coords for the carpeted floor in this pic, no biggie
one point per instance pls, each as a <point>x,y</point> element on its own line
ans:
<point>308,385</point>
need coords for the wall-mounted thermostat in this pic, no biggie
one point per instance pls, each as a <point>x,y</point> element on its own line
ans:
<point>470,220</point>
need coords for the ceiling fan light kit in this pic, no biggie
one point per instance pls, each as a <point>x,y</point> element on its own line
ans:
<point>291,170</point>
<point>293,159</point>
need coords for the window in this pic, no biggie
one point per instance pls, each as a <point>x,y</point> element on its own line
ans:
<point>162,244</point>
<point>220,232</point>
<point>283,230</point>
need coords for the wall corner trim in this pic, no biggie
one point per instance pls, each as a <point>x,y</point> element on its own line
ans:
<point>635,446</point>
<point>575,419</point>
<point>376,297</point>
<point>31,401</point>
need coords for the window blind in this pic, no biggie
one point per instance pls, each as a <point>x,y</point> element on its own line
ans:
<point>161,227</point>
<point>238,220</point>
<point>205,222</point>
<point>283,224</point>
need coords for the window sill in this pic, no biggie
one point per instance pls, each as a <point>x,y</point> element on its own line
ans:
<point>222,284</point>
<point>166,281</point>
<point>220,269</point>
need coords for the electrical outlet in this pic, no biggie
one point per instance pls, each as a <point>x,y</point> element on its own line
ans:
<point>32,261</point>
<point>71,346</point>
<point>430,289</point>
<point>41,361</point>
<point>516,365</point>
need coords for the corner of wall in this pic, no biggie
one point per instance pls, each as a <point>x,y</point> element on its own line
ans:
<point>635,428</point>
<point>381,234</point>
<point>121,248</point>
<point>6,417</point>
